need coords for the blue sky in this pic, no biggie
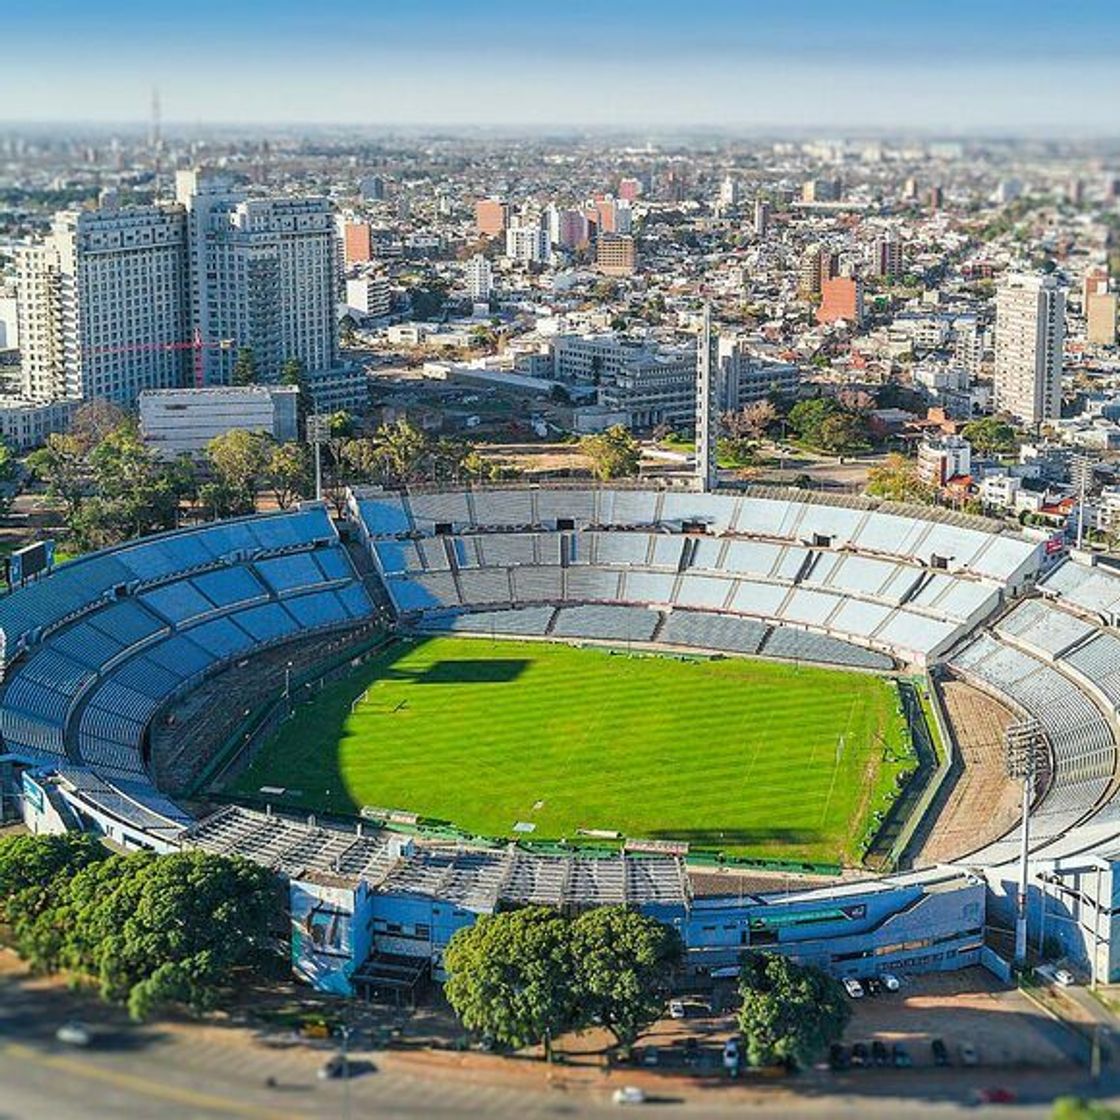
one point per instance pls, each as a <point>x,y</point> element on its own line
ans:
<point>909,64</point>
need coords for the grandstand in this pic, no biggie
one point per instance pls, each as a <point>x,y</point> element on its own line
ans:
<point>83,684</point>
<point>95,654</point>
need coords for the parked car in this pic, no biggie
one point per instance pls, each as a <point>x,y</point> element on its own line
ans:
<point>940,1052</point>
<point>872,986</point>
<point>676,1009</point>
<point>880,1055</point>
<point>691,1051</point>
<point>860,1056</point>
<point>853,987</point>
<point>74,1033</point>
<point>968,1054</point>
<point>334,1067</point>
<point>890,981</point>
<point>629,1094</point>
<point>1064,977</point>
<point>838,1057</point>
<point>995,1095</point>
<point>731,1054</point>
<point>900,1056</point>
<point>651,1056</point>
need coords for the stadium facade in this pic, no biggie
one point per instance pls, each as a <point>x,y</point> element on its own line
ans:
<point>97,653</point>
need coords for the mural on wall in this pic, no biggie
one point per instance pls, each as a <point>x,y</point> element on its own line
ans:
<point>322,936</point>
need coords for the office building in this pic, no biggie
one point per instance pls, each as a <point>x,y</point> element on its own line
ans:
<point>103,305</point>
<point>817,266</point>
<point>615,255</point>
<point>745,377</point>
<point>183,421</point>
<point>480,279</point>
<point>1030,333</point>
<point>491,216</point>
<point>262,276</point>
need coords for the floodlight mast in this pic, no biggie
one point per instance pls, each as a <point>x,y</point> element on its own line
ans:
<point>1026,751</point>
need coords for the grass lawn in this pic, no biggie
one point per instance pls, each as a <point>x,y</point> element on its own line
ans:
<point>753,757</point>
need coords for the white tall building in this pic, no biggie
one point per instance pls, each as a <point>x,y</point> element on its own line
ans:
<point>1030,333</point>
<point>102,305</point>
<point>480,279</point>
<point>528,243</point>
<point>262,276</point>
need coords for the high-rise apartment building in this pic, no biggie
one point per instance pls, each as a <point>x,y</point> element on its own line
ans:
<point>841,299</point>
<point>886,257</point>
<point>1100,318</point>
<point>262,276</point>
<point>527,244</point>
<point>1030,333</point>
<point>357,243</point>
<point>761,217</point>
<point>491,216</point>
<point>115,301</point>
<point>103,307</point>
<point>480,279</point>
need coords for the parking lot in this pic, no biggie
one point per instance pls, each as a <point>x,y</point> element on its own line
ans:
<point>966,1010</point>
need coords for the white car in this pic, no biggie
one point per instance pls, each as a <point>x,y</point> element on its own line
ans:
<point>731,1054</point>
<point>73,1034</point>
<point>1064,977</point>
<point>853,987</point>
<point>677,1009</point>
<point>629,1094</point>
<point>890,981</point>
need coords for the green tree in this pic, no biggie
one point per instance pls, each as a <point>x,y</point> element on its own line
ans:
<point>245,367</point>
<point>614,453</point>
<point>991,436</point>
<point>896,479</point>
<point>790,1012</point>
<point>624,962</point>
<point>239,460</point>
<point>510,977</point>
<point>30,867</point>
<point>155,930</point>
<point>289,474</point>
<point>402,451</point>
<point>7,476</point>
<point>1075,1108</point>
<point>842,433</point>
<point>60,464</point>
<point>807,417</point>
<point>291,372</point>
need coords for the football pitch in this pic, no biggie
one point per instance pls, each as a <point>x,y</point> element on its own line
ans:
<point>752,757</point>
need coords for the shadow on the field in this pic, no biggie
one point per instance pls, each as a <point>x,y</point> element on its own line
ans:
<point>468,671</point>
<point>739,837</point>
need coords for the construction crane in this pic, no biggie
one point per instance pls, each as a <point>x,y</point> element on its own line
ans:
<point>197,344</point>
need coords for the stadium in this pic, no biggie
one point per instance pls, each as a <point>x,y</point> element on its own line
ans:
<point>765,717</point>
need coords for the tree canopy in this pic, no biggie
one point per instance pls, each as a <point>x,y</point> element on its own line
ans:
<point>896,479</point>
<point>790,1012</point>
<point>991,436</point>
<point>150,930</point>
<point>510,976</point>
<point>526,976</point>
<point>614,453</point>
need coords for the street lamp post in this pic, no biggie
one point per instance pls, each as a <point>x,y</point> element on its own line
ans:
<point>1026,751</point>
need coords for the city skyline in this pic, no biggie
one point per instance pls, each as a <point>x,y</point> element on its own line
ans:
<point>1003,67</point>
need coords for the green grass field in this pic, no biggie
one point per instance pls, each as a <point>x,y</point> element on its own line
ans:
<point>752,757</point>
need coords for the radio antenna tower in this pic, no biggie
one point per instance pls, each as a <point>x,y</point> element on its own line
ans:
<point>155,143</point>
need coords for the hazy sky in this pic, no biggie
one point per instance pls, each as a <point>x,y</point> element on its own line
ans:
<point>950,64</point>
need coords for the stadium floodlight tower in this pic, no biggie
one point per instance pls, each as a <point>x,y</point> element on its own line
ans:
<point>707,408</point>
<point>1026,752</point>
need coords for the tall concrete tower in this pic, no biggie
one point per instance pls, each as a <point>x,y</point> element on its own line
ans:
<point>707,408</point>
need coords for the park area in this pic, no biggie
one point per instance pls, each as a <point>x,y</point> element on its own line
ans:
<point>542,742</point>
